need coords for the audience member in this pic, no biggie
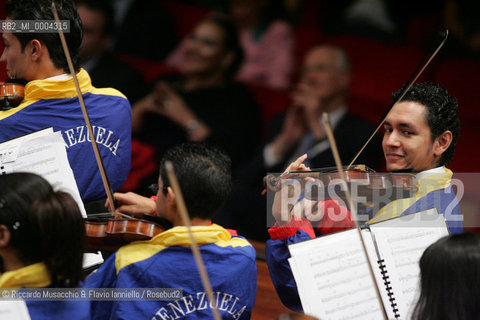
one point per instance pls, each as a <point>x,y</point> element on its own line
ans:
<point>268,44</point>
<point>461,19</point>
<point>144,29</point>
<point>204,104</point>
<point>96,57</point>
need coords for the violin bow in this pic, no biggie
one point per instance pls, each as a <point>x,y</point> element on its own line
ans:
<point>353,209</point>
<point>101,167</point>
<point>413,78</point>
<point>182,208</point>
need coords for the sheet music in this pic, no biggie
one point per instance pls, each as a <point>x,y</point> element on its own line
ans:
<point>45,155</point>
<point>301,288</point>
<point>334,278</point>
<point>14,310</point>
<point>401,243</point>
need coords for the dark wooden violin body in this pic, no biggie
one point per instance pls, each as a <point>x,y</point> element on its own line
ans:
<point>104,232</point>
<point>11,94</point>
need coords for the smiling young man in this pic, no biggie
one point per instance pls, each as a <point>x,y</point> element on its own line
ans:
<point>51,99</point>
<point>420,136</point>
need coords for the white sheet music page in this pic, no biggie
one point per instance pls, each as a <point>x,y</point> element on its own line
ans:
<point>335,280</point>
<point>13,310</point>
<point>43,153</point>
<point>401,242</point>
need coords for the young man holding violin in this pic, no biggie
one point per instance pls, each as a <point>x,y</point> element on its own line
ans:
<point>166,261</point>
<point>51,99</point>
<point>420,136</point>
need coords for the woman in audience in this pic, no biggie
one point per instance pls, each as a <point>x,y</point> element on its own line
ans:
<point>450,279</point>
<point>267,41</point>
<point>204,103</point>
<point>42,238</point>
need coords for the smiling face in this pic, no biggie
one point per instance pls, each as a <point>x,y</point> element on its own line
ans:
<point>407,142</point>
<point>204,50</point>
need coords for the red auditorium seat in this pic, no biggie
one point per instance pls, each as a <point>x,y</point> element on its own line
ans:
<point>461,78</point>
<point>378,68</point>
<point>186,16</point>
<point>150,69</point>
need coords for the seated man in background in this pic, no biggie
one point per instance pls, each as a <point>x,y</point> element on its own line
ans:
<point>51,99</point>
<point>96,57</point>
<point>420,135</point>
<point>323,87</point>
<point>166,261</point>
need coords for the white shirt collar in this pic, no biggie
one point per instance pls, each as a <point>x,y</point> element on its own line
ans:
<point>430,172</point>
<point>335,116</point>
<point>64,76</point>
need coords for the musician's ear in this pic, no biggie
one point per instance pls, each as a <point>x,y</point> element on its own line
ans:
<point>5,236</point>
<point>442,142</point>
<point>35,49</point>
<point>171,199</point>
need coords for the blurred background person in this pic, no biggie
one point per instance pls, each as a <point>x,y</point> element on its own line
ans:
<point>144,29</point>
<point>204,103</point>
<point>461,17</point>
<point>267,41</point>
<point>105,69</point>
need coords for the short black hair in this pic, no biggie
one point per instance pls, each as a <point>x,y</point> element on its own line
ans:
<point>442,112</point>
<point>450,279</point>
<point>45,226</point>
<point>204,175</point>
<point>105,8</point>
<point>42,10</point>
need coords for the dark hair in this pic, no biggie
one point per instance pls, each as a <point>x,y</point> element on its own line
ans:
<point>42,10</point>
<point>442,112</point>
<point>450,279</point>
<point>231,41</point>
<point>105,8</point>
<point>45,226</point>
<point>203,173</point>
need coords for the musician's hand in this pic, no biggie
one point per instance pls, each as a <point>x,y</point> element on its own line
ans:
<point>298,165</point>
<point>134,204</point>
<point>282,208</point>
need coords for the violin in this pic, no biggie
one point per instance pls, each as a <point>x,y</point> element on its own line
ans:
<point>368,183</point>
<point>11,95</point>
<point>104,232</point>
